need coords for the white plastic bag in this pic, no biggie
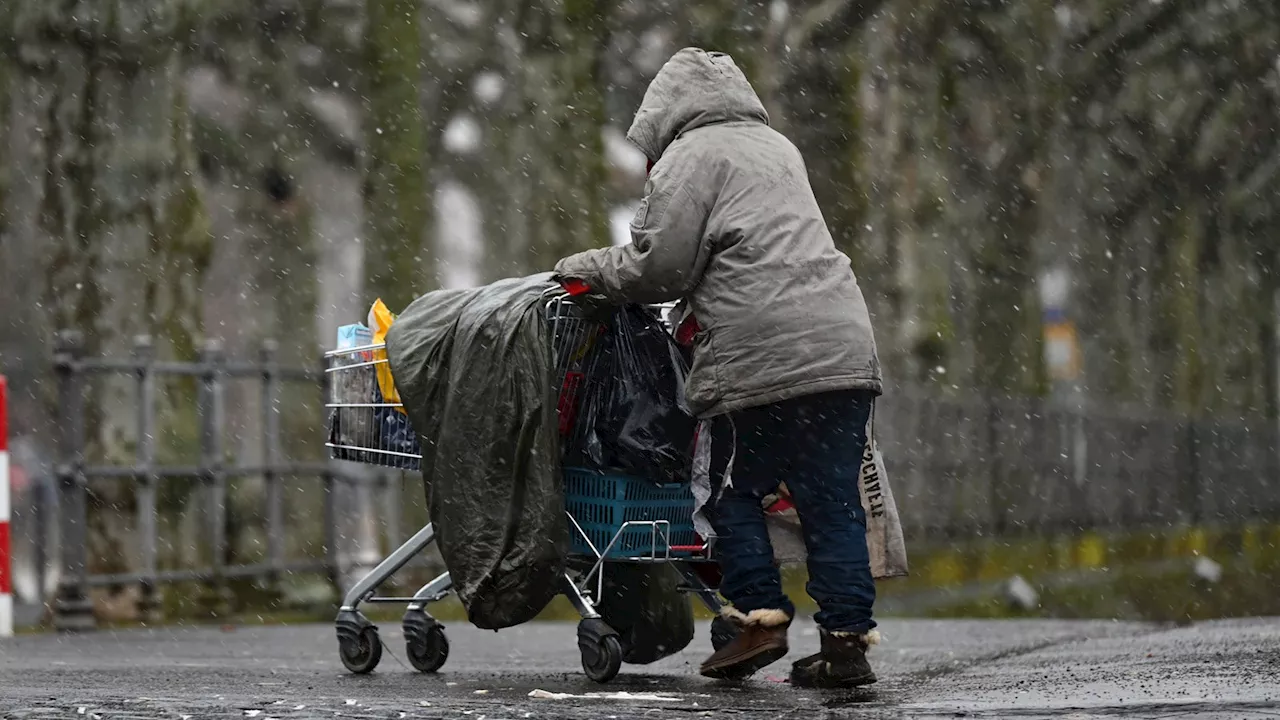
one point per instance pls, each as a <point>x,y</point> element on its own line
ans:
<point>885,542</point>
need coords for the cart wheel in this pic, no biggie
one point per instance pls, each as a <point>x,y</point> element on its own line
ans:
<point>602,659</point>
<point>722,632</point>
<point>361,654</point>
<point>428,649</point>
<point>601,649</point>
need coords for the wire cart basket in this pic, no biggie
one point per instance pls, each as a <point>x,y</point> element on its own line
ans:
<point>613,518</point>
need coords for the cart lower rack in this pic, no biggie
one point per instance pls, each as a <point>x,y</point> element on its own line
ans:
<point>612,518</point>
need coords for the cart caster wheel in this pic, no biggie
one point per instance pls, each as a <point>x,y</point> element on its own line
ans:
<point>361,653</point>
<point>722,632</point>
<point>601,650</point>
<point>602,661</point>
<point>425,642</point>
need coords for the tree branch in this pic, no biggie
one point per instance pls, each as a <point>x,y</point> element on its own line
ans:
<point>1159,175</point>
<point>831,23</point>
<point>1095,60</point>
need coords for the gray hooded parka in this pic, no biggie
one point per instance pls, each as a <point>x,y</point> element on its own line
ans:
<point>729,224</point>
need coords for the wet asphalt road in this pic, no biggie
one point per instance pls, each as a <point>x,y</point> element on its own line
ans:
<point>1022,669</point>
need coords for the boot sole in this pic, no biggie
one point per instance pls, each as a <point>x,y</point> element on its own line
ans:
<point>746,666</point>
<point>835,683</point>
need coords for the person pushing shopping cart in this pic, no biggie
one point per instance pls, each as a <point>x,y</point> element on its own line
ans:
<point>784,370</point>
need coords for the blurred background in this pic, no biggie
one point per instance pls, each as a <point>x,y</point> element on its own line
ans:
<point>1064,214</point>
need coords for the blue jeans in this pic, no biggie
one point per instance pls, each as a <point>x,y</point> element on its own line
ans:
<point>815,445</point>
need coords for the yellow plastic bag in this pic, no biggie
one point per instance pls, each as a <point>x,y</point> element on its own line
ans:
<point>380,319</point>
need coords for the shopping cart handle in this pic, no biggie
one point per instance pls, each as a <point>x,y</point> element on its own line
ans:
<point>575,287</point>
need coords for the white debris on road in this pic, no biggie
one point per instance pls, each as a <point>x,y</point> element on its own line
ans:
<point>637,697</point>
<point>544,695</point>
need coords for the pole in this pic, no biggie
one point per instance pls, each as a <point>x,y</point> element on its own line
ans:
<point>329,481</point>
<point>6,569</point>
<point>213,475</point>
<point>271,458</point>
<point>72,608</point>
<point>1275,379</point>
<point>144,354</point>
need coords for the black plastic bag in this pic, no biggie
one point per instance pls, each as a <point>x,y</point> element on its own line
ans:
<point>390,430</point>
<point>643,603</point>
<point>633,417</point>
<point>397,435</point>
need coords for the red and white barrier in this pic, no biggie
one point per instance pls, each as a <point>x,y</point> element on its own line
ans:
<point>6,574</point>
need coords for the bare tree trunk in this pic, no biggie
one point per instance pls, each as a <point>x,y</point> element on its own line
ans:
<point>399,259</point>
<point>825,121</point>
<point>1269,330</point>
<point>1178,327</point>
<point>120,226</point>
<point>254,133</point>
<point>739,28</point>
<point>564,110</point>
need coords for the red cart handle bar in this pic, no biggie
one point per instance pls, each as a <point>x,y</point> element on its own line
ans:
<point>575,287</point>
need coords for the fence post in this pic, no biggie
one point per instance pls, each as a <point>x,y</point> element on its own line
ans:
<point>329,479</point>
<point>268,355</point>
<point>1274,401</point>
<point>997,515</point>
<point>46,501</point>
<point>72,607</point>
<point>144,356</point>
<point>1190,505</point>
<point>213,475</point>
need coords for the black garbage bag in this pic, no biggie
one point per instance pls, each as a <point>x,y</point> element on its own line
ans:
<point>390,430</point>
<point>633,416</point>
<point>396,435</point>
<point>644,604</point>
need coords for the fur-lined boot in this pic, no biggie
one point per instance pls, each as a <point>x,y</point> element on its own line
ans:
<point>841,664</point>
<point>761,641</point>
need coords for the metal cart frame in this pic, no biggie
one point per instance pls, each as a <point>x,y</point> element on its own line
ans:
<point>427,646</point>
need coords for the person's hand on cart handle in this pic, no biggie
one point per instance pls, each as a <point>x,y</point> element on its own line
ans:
<point>595,305</point>
<point>574,286</point>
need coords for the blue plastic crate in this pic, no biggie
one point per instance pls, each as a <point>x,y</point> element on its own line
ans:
<point>601,503</point>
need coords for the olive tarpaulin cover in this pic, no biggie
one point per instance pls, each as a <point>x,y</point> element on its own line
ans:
<point>474,368</point>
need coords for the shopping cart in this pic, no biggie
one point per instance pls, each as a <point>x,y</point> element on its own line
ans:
<point>612,518</point>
